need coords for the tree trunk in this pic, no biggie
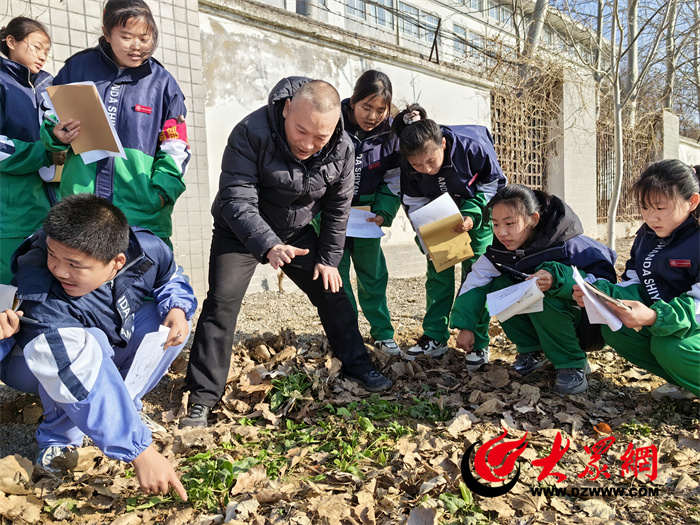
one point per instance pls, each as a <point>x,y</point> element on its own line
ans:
<point>599,56</point>
<point>671,57</point>
<point>536,27</point>
<point>617,135</point>
<point>696,50</point>
<point>633,64</point>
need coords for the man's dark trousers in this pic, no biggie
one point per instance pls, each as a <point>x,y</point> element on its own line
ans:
<point>231,268</point>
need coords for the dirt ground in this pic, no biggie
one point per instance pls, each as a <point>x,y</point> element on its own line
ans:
<point>296,443</point>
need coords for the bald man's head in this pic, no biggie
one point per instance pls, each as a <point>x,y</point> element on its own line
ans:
<point>321,95</point>
<point>311,117</point>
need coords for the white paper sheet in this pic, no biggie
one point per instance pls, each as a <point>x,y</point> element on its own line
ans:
<point>148,355</point>
<point>436,210</point>
<point>7,296</point>
<point>596,310</point>
<point>97,154</point>
<point>521,298</point>
<point>360,228</point>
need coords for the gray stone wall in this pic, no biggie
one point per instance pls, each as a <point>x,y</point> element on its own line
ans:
<point>75,25</point>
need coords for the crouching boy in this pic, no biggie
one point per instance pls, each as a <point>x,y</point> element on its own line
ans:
<point>91,288</point>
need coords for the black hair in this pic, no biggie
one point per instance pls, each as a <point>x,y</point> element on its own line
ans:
<point>416,137</point>
<point>20,28</point>
<point>373,83</point>
<point>117,13</point>
<point>89,224</point>
<point>670,178</point>
<point>521,199</point>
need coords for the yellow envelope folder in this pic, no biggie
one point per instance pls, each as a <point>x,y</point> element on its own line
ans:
<point>446,247</point>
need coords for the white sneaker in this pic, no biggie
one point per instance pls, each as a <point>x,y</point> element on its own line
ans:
<point>476,358</point>
<point>671,391</point>
<point>387,346</point>
<point>152,425</point>
<point>425,346</point>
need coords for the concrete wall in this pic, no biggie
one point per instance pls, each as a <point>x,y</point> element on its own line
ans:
<point>75,25</point>
<point>572,171</point>
<point>247,47</point>
<point>689,151</point>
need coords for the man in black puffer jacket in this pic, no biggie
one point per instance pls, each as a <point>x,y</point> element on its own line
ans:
<point>283,164</point>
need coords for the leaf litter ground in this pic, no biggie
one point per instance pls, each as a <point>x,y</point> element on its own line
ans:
<point>295,443</point>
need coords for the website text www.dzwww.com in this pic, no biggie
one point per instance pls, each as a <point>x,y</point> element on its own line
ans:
<point>588,492</point>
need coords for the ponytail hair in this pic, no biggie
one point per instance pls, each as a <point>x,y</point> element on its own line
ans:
<point>416,132</point>
<point>521,199</point>
<point>670,178</point>
<point>20,28</point>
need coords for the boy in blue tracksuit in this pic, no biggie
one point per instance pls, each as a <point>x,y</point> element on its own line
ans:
<point>83,280</point>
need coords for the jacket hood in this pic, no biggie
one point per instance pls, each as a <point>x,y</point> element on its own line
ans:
<point>283,90</point>
<point>21,74</point>
<point>558,223</point>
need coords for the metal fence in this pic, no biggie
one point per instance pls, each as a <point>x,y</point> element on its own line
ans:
<point>520,134</point>
<point>638,152</point>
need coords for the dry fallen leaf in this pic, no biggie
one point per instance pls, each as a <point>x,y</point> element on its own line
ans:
<point>15,475</point>
<point>422,516</point>
<point>602,428</point>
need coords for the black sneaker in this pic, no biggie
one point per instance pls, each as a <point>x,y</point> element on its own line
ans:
<point>526,363</point>
<point>372,381</point>
<point>572,380</point>
<point>426,345</point>
<point>196,417</point>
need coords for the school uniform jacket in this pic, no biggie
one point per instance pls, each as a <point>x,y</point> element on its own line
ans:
<point>470,173</point>
<point>147,109</point>
<point>24,197</point>
<point>377,170</point>
<point>558,237</point>
<point>67,359</point>
<point>664,274</point>
<point>267,196</point>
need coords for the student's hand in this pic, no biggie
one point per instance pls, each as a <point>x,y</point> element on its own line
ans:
<point>179,329</point>
<point>9,323</point>
<point>331,277</point>
<point>281,254</point>
<point>377,219</point>
<point>466,225</point>
<point>66,131</point>
<point>465,340</point>
<point>578,296</point>
<point>637,316</point>
<point>156,474</point>
<point>545,280</point>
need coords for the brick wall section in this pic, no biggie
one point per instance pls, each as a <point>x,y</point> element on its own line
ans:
<point>75,25</point>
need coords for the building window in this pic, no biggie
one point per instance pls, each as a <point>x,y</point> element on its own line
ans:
<point>460,40</point>
<point>408,20</point>
<point>474,5</point>
<point>381,15</point>
<point>355,8</point>
<point>430,25</point>
<point>500,13</point>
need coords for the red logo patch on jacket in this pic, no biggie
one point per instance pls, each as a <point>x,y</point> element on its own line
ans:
<point>143,109</point>
<point>375,165</point>
<point>680,263</point>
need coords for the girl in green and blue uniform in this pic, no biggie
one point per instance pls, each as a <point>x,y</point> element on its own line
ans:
<point>367,120</point>
<point>460,161</point>
<point>25,198</point>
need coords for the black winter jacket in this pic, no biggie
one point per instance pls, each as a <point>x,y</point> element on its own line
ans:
<point>267,196</point>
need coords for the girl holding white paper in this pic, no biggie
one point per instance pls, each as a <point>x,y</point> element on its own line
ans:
<point>460,161</point>
<point>367,120</point>
<point>532,227</point>
<point>661,282</point>
<point>25,198</point>
<point>147,109</point>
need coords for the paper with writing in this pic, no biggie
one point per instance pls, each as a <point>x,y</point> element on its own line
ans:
<point>359,227</point>
<point>521,298</point>
<point>148,355</point>
<point>433,224</point>
<point>8,297</point>
<point>596,310</point>
<point>81,101</point>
